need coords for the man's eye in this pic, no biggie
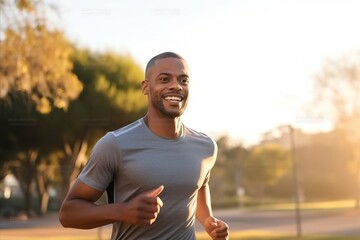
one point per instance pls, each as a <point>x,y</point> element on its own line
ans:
<point>184,81</point>
<point>164,79</point>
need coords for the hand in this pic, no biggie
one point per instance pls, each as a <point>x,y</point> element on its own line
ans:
<point>143,209</point>
<point>217,229</point>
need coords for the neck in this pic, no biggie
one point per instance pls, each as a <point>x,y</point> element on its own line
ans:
<point>164,127</point>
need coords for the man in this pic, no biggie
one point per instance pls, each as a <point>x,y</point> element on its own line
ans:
<point>160,168</point>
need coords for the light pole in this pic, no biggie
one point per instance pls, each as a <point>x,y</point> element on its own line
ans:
<point>295,183</point>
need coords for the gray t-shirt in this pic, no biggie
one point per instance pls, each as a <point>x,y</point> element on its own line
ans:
<point>137,160</point>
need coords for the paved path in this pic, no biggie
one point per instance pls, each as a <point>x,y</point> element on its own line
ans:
<point>345,222</point>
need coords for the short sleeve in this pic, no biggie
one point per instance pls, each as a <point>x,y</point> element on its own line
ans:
<point>101,167</point>
<point>214,156</point>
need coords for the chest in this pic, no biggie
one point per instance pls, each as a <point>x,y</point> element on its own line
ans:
<point>181,167</point>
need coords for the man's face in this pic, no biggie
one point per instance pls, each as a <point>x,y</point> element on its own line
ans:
<point>166,85</point>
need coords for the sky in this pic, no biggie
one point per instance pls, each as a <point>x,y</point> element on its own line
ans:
<point>253,62</point>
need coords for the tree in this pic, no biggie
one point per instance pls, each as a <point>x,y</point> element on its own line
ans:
<point>24,143</point>
<point>35,77</point>
<point>35,60</point>
<point>47,175</point>
<point>337,89</point>
<point>16,157</point>
<point>57,144</point>
<point>111,98</point>
<point>226,176</point>
<point>264,166</point>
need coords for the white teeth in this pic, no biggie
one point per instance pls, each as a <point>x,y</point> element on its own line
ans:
<point>173,98</point>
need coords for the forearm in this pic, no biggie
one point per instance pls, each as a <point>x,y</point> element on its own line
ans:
<point>203,210</point>
<point>217,229</point>
<point>82,214</point>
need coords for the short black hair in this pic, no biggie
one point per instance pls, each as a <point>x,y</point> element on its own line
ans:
<point>161,56</point>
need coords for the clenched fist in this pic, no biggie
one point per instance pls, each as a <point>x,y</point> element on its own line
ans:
<point>217,229</point>
<point>143,209</point>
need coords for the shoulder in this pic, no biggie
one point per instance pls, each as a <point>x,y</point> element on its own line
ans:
<point>200,137</point>
<point>114,139</point>
<point>197,134</point>
<point>127,130</point>
<point>203,144</point>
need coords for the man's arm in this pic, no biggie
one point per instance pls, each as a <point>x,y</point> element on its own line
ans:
<point>80,211</point>
<point>204,209</point>
<point>216,228</point>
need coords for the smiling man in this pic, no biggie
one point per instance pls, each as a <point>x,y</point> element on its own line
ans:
<point>159,168</point>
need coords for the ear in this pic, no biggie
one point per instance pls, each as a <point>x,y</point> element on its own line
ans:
<point>145,87</point>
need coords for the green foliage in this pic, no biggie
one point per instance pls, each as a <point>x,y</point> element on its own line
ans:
<point>252,170</point>
<point>325,169</point>
<point>265,165</point>
<point>114,78</point>
<point>111,98</point>
<point>35,60</point>
<point>55,103</point>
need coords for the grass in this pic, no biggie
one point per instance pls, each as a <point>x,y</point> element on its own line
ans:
<point>305,206</point>
<point>263,235</point>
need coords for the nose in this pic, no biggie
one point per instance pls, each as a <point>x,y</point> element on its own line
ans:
<point>175,85</point>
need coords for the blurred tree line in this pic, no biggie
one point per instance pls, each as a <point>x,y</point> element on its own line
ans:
<point>328,163</point>
<point>57,100</point>
<point>261,174</point>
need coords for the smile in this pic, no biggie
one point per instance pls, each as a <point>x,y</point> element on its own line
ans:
<point>172,98</point>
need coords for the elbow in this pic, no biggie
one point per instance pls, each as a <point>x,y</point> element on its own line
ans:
<point>63,219</point>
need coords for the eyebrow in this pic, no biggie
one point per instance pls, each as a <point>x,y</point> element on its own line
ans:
<point>169,74</point>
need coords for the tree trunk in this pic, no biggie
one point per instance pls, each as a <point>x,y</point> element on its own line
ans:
<point>24,173</point>
<point>27,202</point>
<point>42,189</point>
<point>75,157</point>
<point>44,202</point>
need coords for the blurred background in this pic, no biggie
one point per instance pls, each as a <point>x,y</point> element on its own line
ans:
<point>276,83</point>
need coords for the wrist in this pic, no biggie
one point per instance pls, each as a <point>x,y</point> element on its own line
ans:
<point>116,213</point>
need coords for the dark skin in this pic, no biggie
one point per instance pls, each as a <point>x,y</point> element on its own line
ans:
<point>170,77</point>
<point>167,87</point>
<point>80,211</point>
